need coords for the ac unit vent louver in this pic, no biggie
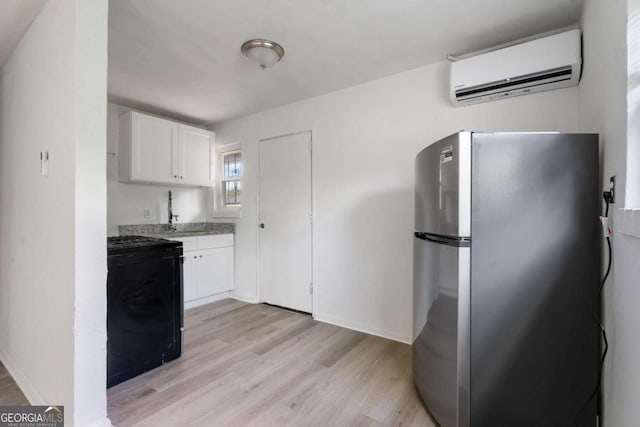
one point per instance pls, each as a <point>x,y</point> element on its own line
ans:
<point>548,63</point>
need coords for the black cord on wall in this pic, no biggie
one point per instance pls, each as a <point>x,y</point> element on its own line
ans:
<point>595,311</point>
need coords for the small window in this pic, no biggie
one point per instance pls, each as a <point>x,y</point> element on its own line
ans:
<point>231,178</point>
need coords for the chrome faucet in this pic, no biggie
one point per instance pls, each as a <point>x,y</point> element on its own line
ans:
<point>171,215</point>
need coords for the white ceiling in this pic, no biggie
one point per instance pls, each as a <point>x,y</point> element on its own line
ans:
<point>15,18</point>
<point>182,58</point>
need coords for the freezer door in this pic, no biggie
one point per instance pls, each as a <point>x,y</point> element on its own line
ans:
<point>441,323</point>
<point>443,187</point>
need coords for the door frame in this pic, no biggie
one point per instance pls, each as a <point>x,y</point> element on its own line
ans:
<point>313,215</point>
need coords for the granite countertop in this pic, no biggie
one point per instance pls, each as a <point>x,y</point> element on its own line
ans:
<point>181,230</point>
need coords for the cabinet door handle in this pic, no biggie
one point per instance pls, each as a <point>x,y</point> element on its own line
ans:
<point>175,176</point>
<point>180,176</point>
<point>200,256</point>
<point>195,256</point>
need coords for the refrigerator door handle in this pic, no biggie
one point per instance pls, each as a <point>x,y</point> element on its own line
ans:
<point>463,242</point>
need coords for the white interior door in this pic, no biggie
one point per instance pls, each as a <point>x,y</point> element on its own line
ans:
<point>285,221</point>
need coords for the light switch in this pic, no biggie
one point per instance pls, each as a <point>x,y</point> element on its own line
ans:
<point>147,213</point>
<point>44,163</point>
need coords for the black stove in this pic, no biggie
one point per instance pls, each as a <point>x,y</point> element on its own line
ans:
<point>123,244</point>
<point>144,305</point>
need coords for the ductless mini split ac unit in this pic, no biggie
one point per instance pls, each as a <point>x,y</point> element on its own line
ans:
<point>546,63</point>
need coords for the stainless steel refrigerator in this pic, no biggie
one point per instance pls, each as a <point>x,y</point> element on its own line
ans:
<point>506,269</point>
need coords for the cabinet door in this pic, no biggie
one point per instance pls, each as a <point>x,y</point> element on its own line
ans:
<point>215,271</point>
<point>189,273</point>
<point>196,156</point>
<point>154,149</point>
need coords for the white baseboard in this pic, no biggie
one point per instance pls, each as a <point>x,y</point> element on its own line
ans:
<point>30,392</point>
<point>245,298</point>
<point>105,422</point>
<point>207,300</point>
<point>26,386</point>
<point>320,317</point>
<point>406,339</point>
<point>628,222</point>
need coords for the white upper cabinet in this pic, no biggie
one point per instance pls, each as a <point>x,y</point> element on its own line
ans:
<point>160,151</point>
<point>196,155</point>
<point>149,145</point>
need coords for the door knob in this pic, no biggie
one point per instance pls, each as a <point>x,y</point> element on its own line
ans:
<point>262,225</point>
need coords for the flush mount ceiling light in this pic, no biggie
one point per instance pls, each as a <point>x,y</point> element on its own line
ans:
<point>263,52</point>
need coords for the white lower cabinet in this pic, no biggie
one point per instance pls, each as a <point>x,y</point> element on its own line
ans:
<point>207,268</point>
<point>215,271</point>
<point>189,281</point>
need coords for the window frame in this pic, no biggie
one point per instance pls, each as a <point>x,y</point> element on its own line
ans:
<point>220,209</point>
<point>224,180</point>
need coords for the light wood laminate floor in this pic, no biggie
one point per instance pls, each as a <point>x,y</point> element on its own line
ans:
<point>256,365</point>
<point>10,393</point>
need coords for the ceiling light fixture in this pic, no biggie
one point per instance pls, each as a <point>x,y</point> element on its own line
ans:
<point>263,52</point>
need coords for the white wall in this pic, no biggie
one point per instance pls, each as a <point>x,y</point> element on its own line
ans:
<point>365,140</point>
<point>90,326</point>
<point>127,201</point>
<point>603,109</point>
<point>633,102</point>
<point>52,229</point>
<point>36,279</point>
